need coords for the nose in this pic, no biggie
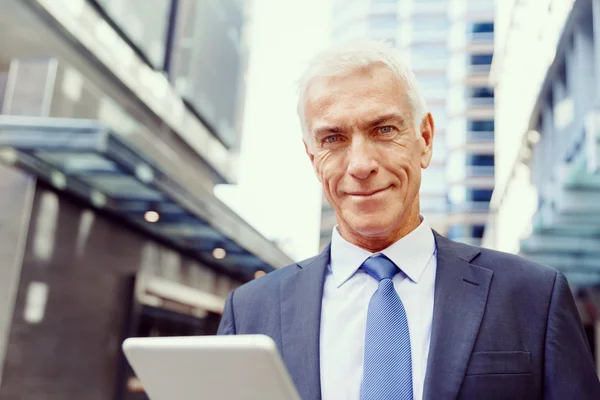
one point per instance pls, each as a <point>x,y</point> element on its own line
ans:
<point>361,159</point>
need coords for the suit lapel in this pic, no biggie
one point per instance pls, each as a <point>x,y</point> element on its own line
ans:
<point>300,296</point>
<point>461,291</point>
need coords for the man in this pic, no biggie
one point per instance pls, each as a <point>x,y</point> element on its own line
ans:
<point>391,309</point>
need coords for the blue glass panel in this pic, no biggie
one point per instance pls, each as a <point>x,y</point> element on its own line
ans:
<point>482,27</point>
<point>480,159</point>
<point>481,59</point>
<point>479,194</point>
<point>483,92</point>
<point>481,126</point>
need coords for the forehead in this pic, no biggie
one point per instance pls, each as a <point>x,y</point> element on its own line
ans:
<point>355,94</point>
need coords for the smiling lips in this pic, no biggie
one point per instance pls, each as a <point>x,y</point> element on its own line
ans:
<point>368,193</point>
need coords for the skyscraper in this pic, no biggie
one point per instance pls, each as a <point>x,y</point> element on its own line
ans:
<point>449,45</point>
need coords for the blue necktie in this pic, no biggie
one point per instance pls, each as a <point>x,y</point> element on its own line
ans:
<point>387,359</point>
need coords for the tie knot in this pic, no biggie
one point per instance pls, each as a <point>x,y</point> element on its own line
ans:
<point>380,267</point>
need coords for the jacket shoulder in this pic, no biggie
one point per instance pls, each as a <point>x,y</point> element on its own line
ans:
<point>513,265</point>
<point>269,283</point>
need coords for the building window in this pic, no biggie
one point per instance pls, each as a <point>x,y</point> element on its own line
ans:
<point>481,126</point>
<point>479,195</point>
<point>481,59</point>
<point>482,27</point>
<point>482,93</point>
<point>480,159</point>
<point>478,231</point>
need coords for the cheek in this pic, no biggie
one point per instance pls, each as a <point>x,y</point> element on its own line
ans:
<point>405,167</point>
<point>331,171</point>
<point>408,160</point>
<point>402,166</point>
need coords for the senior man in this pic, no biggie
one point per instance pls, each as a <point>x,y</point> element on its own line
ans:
<point>391,309</point>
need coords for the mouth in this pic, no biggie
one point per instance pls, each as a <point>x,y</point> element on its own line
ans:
<point>369,193</point>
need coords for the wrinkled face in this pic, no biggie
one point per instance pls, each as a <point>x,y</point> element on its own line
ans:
<point>362,142</point>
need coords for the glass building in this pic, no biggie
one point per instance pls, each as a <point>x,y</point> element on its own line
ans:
<point>118,118</point>
<point>449,45</point>
<point>554,169</point>
<point>546,205</point>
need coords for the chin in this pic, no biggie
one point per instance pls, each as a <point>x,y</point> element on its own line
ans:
<point>373,226</point>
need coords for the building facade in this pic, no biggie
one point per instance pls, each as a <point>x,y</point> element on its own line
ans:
<point>554,153</point>
<point>546,205</point>
<point>118,118</point>
<point>449,45</point>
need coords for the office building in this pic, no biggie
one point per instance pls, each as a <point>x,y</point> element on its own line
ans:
<point>550,173</point>
<point>449,45</point>
<point>546,205</point>
<point>118,119</point>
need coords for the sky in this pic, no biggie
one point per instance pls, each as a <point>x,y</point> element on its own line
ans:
<point>277,191</point>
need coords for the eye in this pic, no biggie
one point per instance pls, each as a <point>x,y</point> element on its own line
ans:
<point>331,139</point>
<point>386,129</point>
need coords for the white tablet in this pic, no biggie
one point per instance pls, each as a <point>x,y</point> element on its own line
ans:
<point>210,367</point>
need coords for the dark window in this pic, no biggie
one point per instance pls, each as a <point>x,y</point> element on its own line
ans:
<point>482,27</point>
<point>481,126</point>
<point>481,59</point>
<point>481,159</point>
<point>483,92</point>
<point>478,231</point>
<point>479,195</point>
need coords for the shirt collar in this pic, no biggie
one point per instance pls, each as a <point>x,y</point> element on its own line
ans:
<point>411,254</point>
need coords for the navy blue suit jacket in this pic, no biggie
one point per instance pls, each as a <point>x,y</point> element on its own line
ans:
<point>503,327</point>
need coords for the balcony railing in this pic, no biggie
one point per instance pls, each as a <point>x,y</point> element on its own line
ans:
<point>475,136</point>
<point>470,207</point>
<point>479,102</point>
<point>477,141</point>
<point>479,170</point>
<point>480,37</point>
<point>479,69</point>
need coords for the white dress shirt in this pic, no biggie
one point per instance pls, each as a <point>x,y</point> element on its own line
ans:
<point>346,296</point>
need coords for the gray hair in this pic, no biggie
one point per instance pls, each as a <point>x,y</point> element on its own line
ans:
<point>338,60</point>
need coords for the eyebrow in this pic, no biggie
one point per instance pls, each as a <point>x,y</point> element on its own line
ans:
<point>385,118</point>
<point>327,130</point>
<point>332,129</point>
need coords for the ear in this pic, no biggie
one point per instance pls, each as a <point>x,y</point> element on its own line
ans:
<point>311,156</point>
<point>427,134</point>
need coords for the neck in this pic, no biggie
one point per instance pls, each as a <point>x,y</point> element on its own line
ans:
<point>377,242</point>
